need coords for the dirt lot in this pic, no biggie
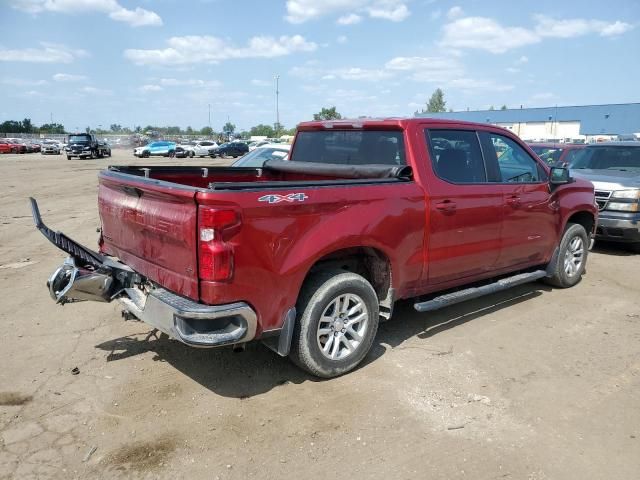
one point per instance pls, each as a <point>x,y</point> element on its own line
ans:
<point>534,383</point>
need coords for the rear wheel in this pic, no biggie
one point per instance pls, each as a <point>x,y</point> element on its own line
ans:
<point>572,257</point>
<point>145,154</point>
<point>171,154</point>
<point>634,247</point>
<point>191,154</point>
<point>68,157</point>
<point>336,325</point>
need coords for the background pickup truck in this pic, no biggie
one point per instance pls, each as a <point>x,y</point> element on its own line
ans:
<point>309,255</point>
<point>85,145</point>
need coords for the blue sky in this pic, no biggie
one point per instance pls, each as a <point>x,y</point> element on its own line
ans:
<point>140,62</point>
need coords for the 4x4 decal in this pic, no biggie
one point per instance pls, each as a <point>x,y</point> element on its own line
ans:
<point>291,197</point>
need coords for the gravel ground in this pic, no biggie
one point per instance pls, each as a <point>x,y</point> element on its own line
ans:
<point>533,383</point>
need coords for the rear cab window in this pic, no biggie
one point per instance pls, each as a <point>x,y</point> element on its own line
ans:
<point>350,147</point>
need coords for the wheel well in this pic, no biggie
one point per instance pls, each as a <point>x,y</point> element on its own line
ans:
<point>586,219</point>
<point>369,262</point>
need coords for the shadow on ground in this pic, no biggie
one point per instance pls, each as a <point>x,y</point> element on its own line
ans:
<point>258,369</point>
<point>613,248</point>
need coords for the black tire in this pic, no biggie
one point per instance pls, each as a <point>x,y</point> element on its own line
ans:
<point>171,154</point>
<point>191,154</point>
<point>145,154</point>
<point>562,278</point>
<point>318,294</point>
<point>68,157</point>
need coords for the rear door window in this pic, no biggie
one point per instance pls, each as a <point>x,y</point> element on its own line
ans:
<point>350,147</point>
<point>456,156</point>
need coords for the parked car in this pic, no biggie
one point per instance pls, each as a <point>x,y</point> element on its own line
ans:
<point>261,143</point>
<point>6,147</point>
<point>203,148</point>
<point>614,170</point>
<point>309,255</point>
<point>230,149</point>
<point>36,146</point>
<point>560,154</point>
<point>181,152</point>
<point>17,145</point>
<point>155,149</point>
<point>84,145</point>
<point>257,157</point>
<point>50,147</point>
<point>106,148</point>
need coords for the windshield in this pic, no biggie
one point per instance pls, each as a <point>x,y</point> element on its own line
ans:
<point>257,157</point>
<point>608,158</point>
<point>350,147</point>
<point>79,138</point>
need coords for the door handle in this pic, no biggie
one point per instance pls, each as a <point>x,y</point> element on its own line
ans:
<point>514,201</point>
<point>446,206</point>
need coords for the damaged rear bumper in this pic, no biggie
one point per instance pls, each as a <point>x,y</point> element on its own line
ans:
<point>90,276</point>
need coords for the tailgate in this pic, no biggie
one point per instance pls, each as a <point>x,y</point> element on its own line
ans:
<point>152,228</point>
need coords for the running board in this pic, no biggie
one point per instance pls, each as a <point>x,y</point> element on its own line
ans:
<point>475,292</point>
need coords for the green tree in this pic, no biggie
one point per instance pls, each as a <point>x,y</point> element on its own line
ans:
<point>189,130</point>
<point>115,128</point>
<point>137,129</point>
<point>436,103</point>
<point>262,131</point>
<point>228,129</point>
<point>11,126</point>
<point>173,131</point>
<point>52,128</point>
<point>492,107</point>
<point>327,114</point>
<point>208,131</point>
<point>503,107</point>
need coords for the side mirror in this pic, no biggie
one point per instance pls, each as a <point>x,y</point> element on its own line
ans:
<point>559,176</point>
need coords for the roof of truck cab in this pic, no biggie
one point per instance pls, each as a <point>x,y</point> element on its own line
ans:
<point>397,122</point>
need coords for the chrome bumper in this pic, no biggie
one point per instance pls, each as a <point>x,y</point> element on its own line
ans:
<point>190,322</point>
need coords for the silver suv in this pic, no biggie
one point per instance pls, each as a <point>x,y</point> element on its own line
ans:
<point>614,170</point>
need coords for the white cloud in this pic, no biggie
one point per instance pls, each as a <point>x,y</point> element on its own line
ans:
<point>342,39</point>
<point>522,60</point>
<point>484,33</point>
<point>354,73</point>
<point>207,49</point>
<point>96,91</point>
<point>348,11</point>
<point>513,70</point>
<point>427,69</point>
<point>22,82</point>
<point>550,27</point>
<point>136,18</point>
<point>387,11</point>
<point>150,88</point>
<point>67,77</point>
<point>349,19</point>
<point>188,82</point>
<point>260,83</point>
<point>436,14</point>
<point>48,53</point>
<point>455,12</point>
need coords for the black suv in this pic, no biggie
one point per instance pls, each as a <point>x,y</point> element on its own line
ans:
<point>85,145</point>
<point>231,149</point>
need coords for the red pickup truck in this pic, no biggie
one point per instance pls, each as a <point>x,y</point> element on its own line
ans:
<point>310,254</point>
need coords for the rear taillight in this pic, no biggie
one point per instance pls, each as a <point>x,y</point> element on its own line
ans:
<point>215,227</point>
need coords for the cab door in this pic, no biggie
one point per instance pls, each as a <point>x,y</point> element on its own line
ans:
<point>530,212</point>
<point>465,210</point>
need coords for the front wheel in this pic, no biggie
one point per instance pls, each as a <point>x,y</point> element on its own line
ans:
<point>572,257</point>
<point>191,154</point>
<point>337,322</point>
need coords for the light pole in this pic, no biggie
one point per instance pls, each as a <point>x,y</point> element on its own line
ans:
<point>209,116</point>
<point>277,105</point>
